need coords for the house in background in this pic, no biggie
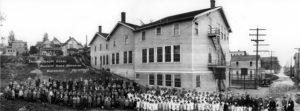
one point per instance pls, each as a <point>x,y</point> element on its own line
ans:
<point>188,50</point>
<point>49,48</point>
<point>238,53</point>
<point>17,46</point>
<point>247,79</point>
<point>9,51</point>
<point>71,46</point>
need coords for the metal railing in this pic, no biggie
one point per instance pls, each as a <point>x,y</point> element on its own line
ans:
<point>214,32</point>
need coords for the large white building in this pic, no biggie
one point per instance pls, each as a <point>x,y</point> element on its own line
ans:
<point>188,50</point>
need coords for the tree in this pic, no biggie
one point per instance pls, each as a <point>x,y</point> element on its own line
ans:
<point>46,37</point>
<point>33,50</point>
<point>11,36</point>
<point>58,53</point>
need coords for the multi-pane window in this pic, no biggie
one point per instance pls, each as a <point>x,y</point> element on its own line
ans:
<point>151,79</point>
<point>117,58</point>
<point>177,80</point>
<point>130,56</point>
<point>158,31</point>
<point>151,54</point>
<point>104,60</point>
<point>176,30</point>
<point>168,80</point>
<point>159,79</point>
<point>143,35</point>
<point>126,39</point>
<point>159,54</point>
<point>168,54</point>
<point>125,57</point>
<point>107,59</point>
<point>198,81</point>
<point>176,53</point>
<point>113,59</point>
<point>144,55</point>
<point>95,60</point>
<point>196,28</point>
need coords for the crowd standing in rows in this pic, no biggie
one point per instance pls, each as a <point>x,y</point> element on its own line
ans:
<point>110,93</point>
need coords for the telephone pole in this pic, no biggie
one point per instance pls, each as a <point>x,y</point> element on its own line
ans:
<point>257,40</point>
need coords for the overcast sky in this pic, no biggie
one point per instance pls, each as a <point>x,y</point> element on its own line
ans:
<point>30,19</point>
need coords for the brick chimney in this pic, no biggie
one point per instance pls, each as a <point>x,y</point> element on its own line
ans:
<point>212,3</point>
<point>99,29</point>
<point>123,17</point>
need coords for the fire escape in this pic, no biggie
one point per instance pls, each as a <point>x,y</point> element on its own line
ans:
<point>218,65</point>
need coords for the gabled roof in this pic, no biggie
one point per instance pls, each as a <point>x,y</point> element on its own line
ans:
<point>103,35</point>
<point>55,39</point>
<point>128,25</point>
<point>183,17</point>
<point>72,38</point>
<point>244,58</point>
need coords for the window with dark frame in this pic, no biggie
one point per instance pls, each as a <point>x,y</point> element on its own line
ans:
<point>95,60</point>
<point>151,79</point>
<point>168,80</point>
<point>198,81</point>
<point>125,57</point>
<point>107,60</point>
<point>250,63</point>
<point>159,79</point>
<point>114,43</point>
<point>159,54</point>
<point>103,59</point>
<point>95,47</point>
<point>176,30</point>
<point>106,46</point>
<point>176,53</point>
<point>144,55</point>
<point>100,47</point>
<point>151,54</point>
<point>158,31</point>
<point>126,39</point>
<point>100,58</point>
<point>117,58</point>
<point>168,54</point>
<point>209,58</point>
<point>237,63</point>
<point>143,35</point>
<point>113,59</point>
<point>177,79</point>
<point>130,57</point>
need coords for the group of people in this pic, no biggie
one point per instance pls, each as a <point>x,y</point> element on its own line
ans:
<point>163,99</point>
<point>83,93</point>
<point>118,93</point>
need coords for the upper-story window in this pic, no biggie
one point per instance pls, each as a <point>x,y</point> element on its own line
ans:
<point>143,35</point>
<point>151,54</point>
<point>106,46</point>
<point>168,54</point>
<point>126,39</point>
<point>176,53</point>
<point>237,63</point>
<point>176,30</point>
<point>196,28</point>
<point>144,55</point>
<point>158,31</point>
<point>114,43</point>
<point>95,48</point>
<point>250,63</point>
<point>100,47</point>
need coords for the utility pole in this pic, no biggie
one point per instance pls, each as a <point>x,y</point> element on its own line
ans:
<point>257,40</point>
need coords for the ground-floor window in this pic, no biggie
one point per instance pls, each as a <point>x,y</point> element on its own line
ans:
<point>117,58</point>
<point>151,79</point>
<point>95,60</point>
<point>159,79</point>
<point>177,80</point>
<point>198,81</point>
<point>168,80</point>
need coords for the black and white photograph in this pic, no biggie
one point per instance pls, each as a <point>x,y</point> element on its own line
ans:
<point>149,55</point>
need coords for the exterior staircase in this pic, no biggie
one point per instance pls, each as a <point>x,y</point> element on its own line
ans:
<point>218,66</point>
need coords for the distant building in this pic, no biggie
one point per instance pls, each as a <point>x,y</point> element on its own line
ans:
<point>238,53</point>
<point>296,66</point>
<point>9,51</point>
<point>270,64</point>
<point>71,46</point>
<point>237,78</point>
<point>49,48</point>
<point>18,45</point>
<point>188,50</point>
